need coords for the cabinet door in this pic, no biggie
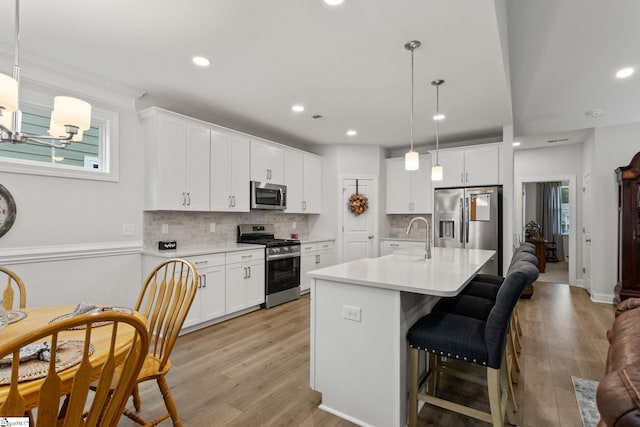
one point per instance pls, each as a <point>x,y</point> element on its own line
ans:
<point>171,163</point>
<point>267,162</point>
<point>213,292</point>
<point>229,172</point>
<point>452,162</point>
<point>324,254</point>
<point>294,180</point>
<point>388,247</point>
<point>236,288</point>
<point>255,284</point>
<point>240,155</point>
<point>197,167</point>
<point>398,187</point>
<point>481,165</point>
<point>312,184</point>
<point>307,263</point>
<point>421,190</point>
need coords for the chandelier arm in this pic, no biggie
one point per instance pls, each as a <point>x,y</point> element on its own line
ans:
<point>37,141</point>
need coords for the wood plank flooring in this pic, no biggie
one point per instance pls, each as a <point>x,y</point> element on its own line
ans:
<point>254,370</point>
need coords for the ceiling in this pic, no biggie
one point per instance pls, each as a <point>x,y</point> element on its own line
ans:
<point>348,63</point>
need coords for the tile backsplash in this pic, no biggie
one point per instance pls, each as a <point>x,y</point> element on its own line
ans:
<point>398,226</point>
<point>192,229</point>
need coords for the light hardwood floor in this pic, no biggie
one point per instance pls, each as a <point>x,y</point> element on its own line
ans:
<point>254,370</point>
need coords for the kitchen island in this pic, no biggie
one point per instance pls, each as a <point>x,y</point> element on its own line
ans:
<point>360,314</point>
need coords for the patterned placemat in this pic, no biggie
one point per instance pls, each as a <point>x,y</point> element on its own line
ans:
<point>95,310</point>
<point>69,354</point>
<point>15,315</point>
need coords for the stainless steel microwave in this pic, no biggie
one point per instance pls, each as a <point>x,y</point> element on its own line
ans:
<point>268,196</point>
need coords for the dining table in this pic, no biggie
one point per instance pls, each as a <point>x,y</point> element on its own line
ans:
<point>29,319</point>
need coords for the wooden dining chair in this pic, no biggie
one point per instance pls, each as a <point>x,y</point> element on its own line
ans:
<point>165,299</point>
<point>106,408</point>
<point>13,283</point>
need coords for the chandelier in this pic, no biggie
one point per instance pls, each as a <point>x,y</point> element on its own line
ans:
<point>69,118</point>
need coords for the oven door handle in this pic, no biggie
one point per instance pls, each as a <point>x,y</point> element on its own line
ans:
<point>282,256</point>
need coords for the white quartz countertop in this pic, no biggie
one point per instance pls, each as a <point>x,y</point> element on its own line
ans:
<point>204,250</point>
<point>445,274</point>
<point>316,239</point>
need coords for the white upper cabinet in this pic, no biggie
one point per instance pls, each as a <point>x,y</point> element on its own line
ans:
<point>177,167</point>
<point>303,176</point>
<point>312,184</point>
<point>469,166</point>
<point>229,171</point>
<point>267,162</point>
<point>408,192</point>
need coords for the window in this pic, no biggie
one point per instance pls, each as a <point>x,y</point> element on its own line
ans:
<point>89,158</point>
<point>564,210</point>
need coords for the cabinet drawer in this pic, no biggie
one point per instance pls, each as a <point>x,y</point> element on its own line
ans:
<point>245,256</point>
<point>308,248</point>
<point>208,260</point>
<point>324,246</point>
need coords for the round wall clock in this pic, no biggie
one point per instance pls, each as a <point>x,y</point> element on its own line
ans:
<point>7,210</point>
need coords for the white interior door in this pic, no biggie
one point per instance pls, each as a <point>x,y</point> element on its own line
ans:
<point>586,233</point>
<point>358,233</point>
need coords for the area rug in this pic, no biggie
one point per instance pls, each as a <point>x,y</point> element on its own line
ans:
<point>586,397</point>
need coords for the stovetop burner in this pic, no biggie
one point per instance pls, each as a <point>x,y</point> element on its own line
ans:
<point>262,234</point>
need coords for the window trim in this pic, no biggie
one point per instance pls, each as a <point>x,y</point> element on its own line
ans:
<point>109,151</point>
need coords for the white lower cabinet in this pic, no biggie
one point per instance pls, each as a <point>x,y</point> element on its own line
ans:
<point>312,257</point>
<point>227,283</point>
<point>390,246</point>
<point>209,302</point>
<point>245,279</point>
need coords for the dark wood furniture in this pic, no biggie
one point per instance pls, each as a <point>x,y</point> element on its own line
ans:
<point>541,246</point>
<point>628,229</point>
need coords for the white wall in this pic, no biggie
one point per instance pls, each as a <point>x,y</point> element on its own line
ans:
<point>614,146</point>
<point>67,240</point>
<point>553,163</point>
<point>345,161</point>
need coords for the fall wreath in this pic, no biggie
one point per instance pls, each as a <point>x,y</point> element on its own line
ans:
<point>358,203</point>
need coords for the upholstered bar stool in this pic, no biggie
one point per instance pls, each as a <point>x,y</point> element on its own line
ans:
<point>465,339</point>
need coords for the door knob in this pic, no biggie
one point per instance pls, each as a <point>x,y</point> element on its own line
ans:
<point>370,237</point>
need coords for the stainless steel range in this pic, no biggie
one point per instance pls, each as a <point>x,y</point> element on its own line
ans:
<point>282,262</point>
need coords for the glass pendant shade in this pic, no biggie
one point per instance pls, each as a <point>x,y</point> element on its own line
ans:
<point>8,93</point>
<point>436,173</point>
<point>411,161</point>
<point>72,112</point>
<point>59,131</point>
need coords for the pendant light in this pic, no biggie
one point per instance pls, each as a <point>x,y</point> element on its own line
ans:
<point>411,158</point>
<point>436,171</point>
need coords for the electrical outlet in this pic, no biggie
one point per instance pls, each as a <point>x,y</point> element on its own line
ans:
<point>165,229</point>
<point>351,313</point>
<point>212,227</point>
<point>293,225</point>
<point>128,230</point>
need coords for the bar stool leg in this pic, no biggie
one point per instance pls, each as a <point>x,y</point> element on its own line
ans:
<point>414,358</point>
<point>495,398</point>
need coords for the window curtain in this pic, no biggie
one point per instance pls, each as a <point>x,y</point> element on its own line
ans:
<point>549,213</point>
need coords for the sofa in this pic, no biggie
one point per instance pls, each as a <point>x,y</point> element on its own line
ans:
<point>618,394</point>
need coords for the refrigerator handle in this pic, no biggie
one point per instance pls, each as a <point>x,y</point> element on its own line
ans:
<point>461,221</point>
<point>466,218</point>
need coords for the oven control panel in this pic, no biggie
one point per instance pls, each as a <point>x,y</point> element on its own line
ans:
<point>283,251</point>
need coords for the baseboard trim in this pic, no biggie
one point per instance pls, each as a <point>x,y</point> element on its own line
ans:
<point>602,298</point>
<point>344,416</point>
<point>32,254</point>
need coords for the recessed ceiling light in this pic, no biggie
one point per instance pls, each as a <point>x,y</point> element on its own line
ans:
<point>298,108</point>
<point>439,117</point>
<point>623,73</point>
<point>516,143</point>
<point>334,2</point>
<point>352,132</point>
<point>201,61</point>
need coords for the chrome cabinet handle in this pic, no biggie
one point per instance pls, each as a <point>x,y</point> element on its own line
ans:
<point>229,202</point>
<point>317,259</point>
<point>233,201</point>
<point>245,272</point>
<point>204,281</point>
<point>247,256</point>
<point>466,176</point>
<point>184,199</point>
<point>201,262</point>
<point>249,268</point>
<point>188,199</point>
<point>461,177</point>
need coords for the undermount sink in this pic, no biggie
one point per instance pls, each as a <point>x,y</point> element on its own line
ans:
<point>409,256</point>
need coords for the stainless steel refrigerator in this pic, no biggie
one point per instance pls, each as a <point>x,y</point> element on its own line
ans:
<point>470,218</point>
